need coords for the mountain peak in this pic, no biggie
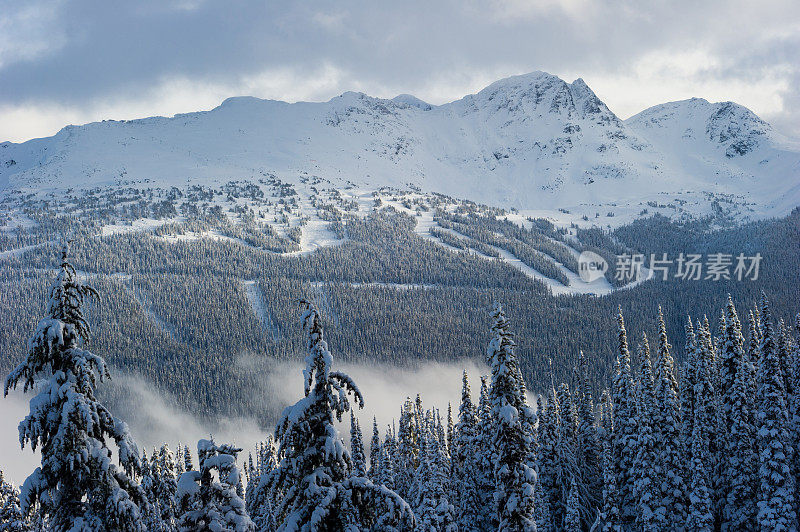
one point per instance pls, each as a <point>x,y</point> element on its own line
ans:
<point>412,101</point>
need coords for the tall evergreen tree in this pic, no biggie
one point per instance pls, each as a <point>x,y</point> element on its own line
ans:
<point>78,486</point>
<point>590,454</point>
<point>387,468</point>
<point>187,459</point>
<point>464,472</point>
<point>513,475</point>
<point>357,448</point>
<point>434,511</point>
<point>610,514</point>
<point>165,490</point>
<point>776,491</point>
<point>375,452</point>
<point>407,449</point>
<point>650,514</point>
<point>700,517</point>
<point>312,476</point>
<point>548,459</point>
<point>666,424</point>
<point>572,519</point>
<point>485,458</point>
<point>687,398</point>
<point>741,458</point>
<point>625,430</point>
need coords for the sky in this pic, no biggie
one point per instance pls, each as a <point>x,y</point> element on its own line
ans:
<point>72,62</point>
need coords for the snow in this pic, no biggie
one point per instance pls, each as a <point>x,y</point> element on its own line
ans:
<point>256,299</point>
<point>142,224</point>
<point>534,142</point>
<point>19,251</point>
<point>314,235</point>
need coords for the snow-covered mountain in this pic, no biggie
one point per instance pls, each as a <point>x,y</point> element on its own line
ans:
<point>533,142</point>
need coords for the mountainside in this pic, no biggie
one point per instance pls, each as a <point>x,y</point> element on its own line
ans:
<point>531,142</point>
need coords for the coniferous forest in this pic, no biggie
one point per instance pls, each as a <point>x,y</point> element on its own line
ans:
<point>709,444</point>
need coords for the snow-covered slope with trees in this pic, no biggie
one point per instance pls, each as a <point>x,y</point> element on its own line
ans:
<point>532,142</point>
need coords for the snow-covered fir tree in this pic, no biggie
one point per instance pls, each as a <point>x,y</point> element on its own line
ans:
<point>666,423</point>
<point>465,467</point>
<point>589,458</point>
<point>625,430</point>
<point>776,493</point>
<point>212,504</point>
<point>357,448</point>
<point>312,476</point>
<point>700,517</point>
<point>375,453</point>
<point>572,519</point>
<point>610,514</point>
<point>485,458</point>
<point>513,474</point>
<point>78,486</point>
<point>650,512</point>
<point>12,519</point>
<point>433,509</point>
<point>740,457</point>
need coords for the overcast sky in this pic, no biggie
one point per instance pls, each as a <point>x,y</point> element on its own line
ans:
<point>72,62</point>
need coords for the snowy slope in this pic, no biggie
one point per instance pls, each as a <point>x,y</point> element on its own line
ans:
<point>533,142</point>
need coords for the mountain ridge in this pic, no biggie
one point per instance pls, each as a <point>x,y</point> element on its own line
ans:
<point>532,142</point>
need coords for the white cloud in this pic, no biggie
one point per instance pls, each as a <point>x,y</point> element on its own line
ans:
<point>154,418</point>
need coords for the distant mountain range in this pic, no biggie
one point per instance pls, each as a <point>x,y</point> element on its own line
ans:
<point>533,142</point>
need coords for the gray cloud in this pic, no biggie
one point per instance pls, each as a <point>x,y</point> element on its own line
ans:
<point>85,60</point>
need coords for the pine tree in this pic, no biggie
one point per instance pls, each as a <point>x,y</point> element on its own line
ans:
<point>187,459</point>
<point>625,431</point>
<point>550,467</point>
<point>700,517</point>
<point>387,468</point>
<point>312,477</point>
<point>261,499</point>
<point>567,453</point>
<point>464,472</point>
<point>485,458</point>
<point>407,449</point>
<point>541,511</point>
<point>610,515</point>
<point>589,459</point>
<point>165,489</point>
<point>794,407</point>
<point>450,427</point>
<point>375,453</point>
<point>357,446</point>
<point>180,467</point>
<point>513,475</point>
<point>651,514</point>
<point>707,412</point>
<point>212,505</point>
<point>741,458</point>
<point>572,520</point>
<point>77,486</point>
<point>776,490</point>
<point>11,517</point>
<point>687,399</point>
<point>666,423</point>
<point>434,511</point>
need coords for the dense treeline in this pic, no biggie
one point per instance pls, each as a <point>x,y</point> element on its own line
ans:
<point>179,315</point>
<point>711,444</point>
